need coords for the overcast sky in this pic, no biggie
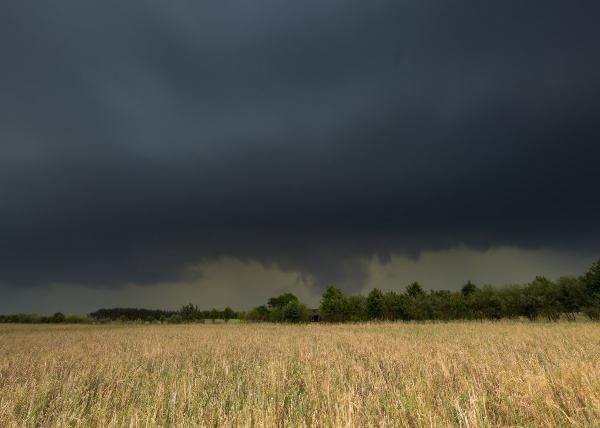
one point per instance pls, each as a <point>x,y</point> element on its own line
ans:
<point>154,153</point>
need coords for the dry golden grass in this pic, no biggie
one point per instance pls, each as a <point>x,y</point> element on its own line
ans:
<point>458,374</point>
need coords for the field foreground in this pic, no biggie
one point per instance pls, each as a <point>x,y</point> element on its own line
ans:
<point>463,374</point>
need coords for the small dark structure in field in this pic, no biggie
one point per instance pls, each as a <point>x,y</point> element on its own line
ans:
<point>315,316</point>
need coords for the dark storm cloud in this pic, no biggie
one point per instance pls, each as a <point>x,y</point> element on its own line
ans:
<point>140,137</point>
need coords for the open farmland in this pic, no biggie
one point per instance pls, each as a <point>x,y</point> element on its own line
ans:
<point>380,374</point>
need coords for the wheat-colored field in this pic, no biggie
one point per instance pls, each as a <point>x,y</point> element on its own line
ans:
<point>389,374</point>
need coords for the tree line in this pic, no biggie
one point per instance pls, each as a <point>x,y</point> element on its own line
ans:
<point>56,318</point>
<point>568,298</point>
<point>130,314</point>
<point>187,313</point>
<point>542,298</point>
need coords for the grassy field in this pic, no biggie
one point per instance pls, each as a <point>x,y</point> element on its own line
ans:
<point>459,374</point>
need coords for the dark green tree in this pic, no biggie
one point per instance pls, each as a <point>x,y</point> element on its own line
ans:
<point>417,307</point>
<point>511,297</point>
<point>228,314</point>
<point>591,281</point>
<point>58,318</point>
<point>260,313</point>
<point>375,304</point>
<point>440,305</point>
<point>571,296</point>
<point>415,290</point>
<point>189,312</point>
<point>281,301</point>
<point>489,304</point>
<point>468,289</point>
<point>541,297</point>
<point>295,312</point>
<point>276,315</point>
<point>334,305</point>
<point>214,314</point>
<point>357,308</point>
<point>394,306</point>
